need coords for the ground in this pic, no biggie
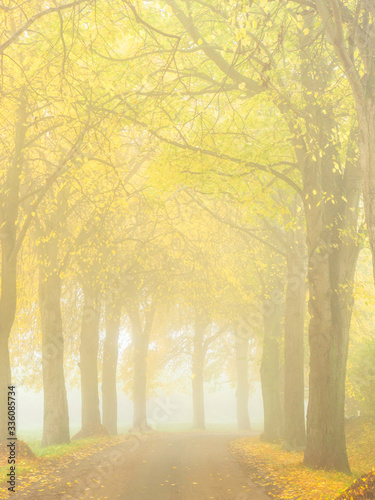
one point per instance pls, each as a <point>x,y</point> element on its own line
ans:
<point>285,476</point>
<point>191,466</point>
<point>178,466</point>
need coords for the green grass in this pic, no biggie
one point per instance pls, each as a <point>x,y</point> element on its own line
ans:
<point>62,449</point>
<point>48,452</point>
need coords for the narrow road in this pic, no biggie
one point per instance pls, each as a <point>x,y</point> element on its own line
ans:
<point>175,466</point>
<point>189,467</point>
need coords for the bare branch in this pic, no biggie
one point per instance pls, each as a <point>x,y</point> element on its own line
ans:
<point>145,23</point>
<point>252,86</point>
<point>222,156</point>
<point>34,18</point>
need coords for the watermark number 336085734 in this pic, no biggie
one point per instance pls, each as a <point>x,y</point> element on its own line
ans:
<point>12,439</point>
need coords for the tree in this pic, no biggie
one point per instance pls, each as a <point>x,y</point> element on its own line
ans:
<point>242,390</point>
<point>351,30</point>
<point>141,316</point>
<point>317,154</point>
<point>49,242</point>
<point>294,390</point>
<point>25,126</point>
<point>89,348</point>
<point>110,357</point>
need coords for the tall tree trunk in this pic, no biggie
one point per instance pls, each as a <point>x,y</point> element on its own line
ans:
<point>56,415</point>
<point>89,357</point>
<point>242,392</point>
<point>329,338</point>
<point>294,326</point>
<point>8,303</point>
<point>270,371</point>
<point>9,207</point>
<point>5,381</point>
<point>110,357</point>
<point>197,369</point>
<point>333,252</point>
<point>140,380</point>
<point>141,339</point>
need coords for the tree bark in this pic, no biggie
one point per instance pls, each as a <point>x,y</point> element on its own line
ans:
<point>56,415</point>
<point>294,326</point>
<point>197,370</point>
<point>333,252</point>
<point>89,357</point>
<point>141,338</point>
<point>5,382</point>
<point>140,380</point>
<point>9,208</point>
<point>110,357</point>
<point>329,338</point>
<point>270,371</point>
<point>242,392</point>
<point>8,303</point>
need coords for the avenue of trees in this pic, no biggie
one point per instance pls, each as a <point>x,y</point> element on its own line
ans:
<point>200,173</point>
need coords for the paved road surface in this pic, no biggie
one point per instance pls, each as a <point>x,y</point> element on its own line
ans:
<point>189,467</point>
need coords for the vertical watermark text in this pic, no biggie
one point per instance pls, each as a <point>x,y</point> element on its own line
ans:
<point>12,439</point>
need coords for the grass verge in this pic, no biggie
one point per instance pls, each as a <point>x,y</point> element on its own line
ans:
<point>45,456</point>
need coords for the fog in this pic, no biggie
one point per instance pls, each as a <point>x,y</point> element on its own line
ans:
<point>187,249</point>
<point>165,412</point>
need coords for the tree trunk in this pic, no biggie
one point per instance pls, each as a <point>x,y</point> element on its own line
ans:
<point>89,357</point>
<point>9,207</point>
<point>294,326</point>
<point>141,338</point>
<point>333,252</point>
<point>330,310</point>
<point>56,416</point>
<point>8,303</point>
<point>270,372</point>
<point>197,369</point>
<point>140,380</point>
<point>110,357</point>
<point>363,88</point>
<point>242,392</point>
<point>5,381</point>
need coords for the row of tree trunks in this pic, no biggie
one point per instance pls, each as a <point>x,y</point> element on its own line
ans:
<point>284,415</point>
<point>200,345</point>
<point>56,418</point>
<point>318,154</point>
